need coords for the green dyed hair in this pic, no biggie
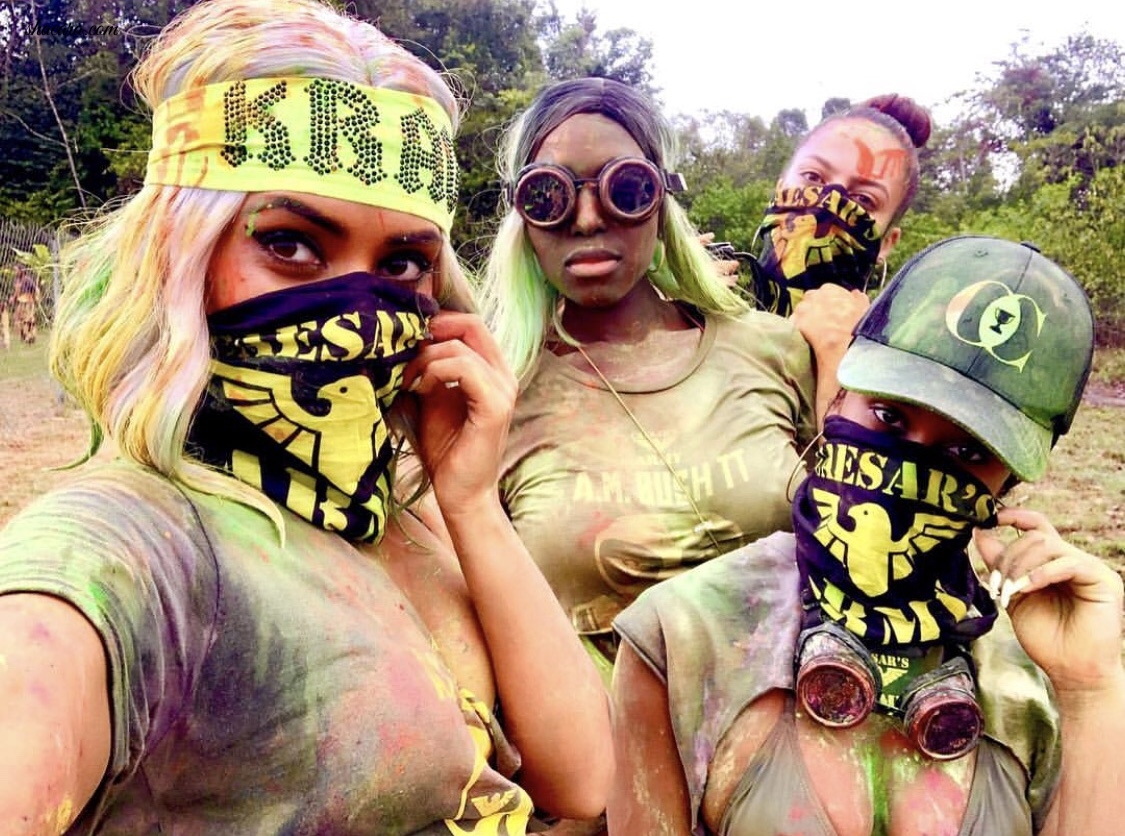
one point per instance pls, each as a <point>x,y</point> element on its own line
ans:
<point>517,300</point>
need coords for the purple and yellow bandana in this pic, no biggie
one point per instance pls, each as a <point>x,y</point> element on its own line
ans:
<point>882,527</point>
<point>813,236</point>
<point>332,138</point>
<point>302,382</point>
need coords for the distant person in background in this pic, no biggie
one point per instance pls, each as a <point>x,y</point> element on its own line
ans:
<point>962,375</point>
<point>6,300</point>
<point>25,305</point>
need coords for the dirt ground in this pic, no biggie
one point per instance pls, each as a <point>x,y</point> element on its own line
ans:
<point>38,431</point>
<point>41,433</point>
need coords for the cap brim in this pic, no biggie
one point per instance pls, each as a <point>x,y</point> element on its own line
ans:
<point>872,368</point>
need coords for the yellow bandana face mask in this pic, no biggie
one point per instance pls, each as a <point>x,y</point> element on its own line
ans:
<point>302,381</point>
<point>813,236</point>
<point>332,138</point>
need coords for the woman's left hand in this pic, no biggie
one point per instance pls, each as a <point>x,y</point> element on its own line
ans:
<point>466,394</point>
<point>1065,604</point>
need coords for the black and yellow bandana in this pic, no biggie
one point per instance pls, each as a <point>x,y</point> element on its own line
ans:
<point>302,379</point>
<point>812,236</point>
<point>882,527</point>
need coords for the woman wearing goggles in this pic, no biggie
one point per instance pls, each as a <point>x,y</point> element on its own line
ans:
<point>659,419</point>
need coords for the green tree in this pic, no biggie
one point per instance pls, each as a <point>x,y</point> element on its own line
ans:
<point>574,49</point>
<point>64,99</point>
<point>491,52</point>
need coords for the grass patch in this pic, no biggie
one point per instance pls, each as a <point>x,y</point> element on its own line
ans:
<point>21,361</point>
<point>1109,367</point>
<point>1083,493</point>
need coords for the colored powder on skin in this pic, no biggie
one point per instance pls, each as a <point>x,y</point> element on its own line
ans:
<point>870,758</point>
<point>252,218</point>
<point>62,816</point>
<point>905,769</point>
<point>251,222</point>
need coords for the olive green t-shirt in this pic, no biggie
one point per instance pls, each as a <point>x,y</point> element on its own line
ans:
<point>601,511</point>
<point>257,687</point>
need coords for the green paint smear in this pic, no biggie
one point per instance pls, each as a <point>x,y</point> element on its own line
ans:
<point>871,758</point>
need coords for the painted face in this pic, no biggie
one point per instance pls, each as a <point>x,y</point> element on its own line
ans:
<point>864,158</point>
<point>913,423</point>
<point>593,261</point>
<point>282,239</point>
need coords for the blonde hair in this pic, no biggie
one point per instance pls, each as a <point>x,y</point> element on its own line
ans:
<point>517,299</point>
<point>130,341</point>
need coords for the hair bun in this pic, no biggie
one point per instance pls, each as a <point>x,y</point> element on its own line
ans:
<point>907,112</point>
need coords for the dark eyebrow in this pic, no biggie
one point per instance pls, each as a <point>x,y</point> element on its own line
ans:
<point>422,237</point>
<point>295,206</point>
<point>863,181</point>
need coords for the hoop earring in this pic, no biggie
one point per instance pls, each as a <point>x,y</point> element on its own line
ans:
<point>656,264</point>
<point>790,488</point>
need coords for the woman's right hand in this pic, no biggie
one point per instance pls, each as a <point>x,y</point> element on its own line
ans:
<point>466,395</point>
<point>1065,604</point>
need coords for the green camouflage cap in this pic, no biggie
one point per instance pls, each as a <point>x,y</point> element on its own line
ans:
<point>986,332</point>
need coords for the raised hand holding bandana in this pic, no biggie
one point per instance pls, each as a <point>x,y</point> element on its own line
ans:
<point>812,236</point>
<point>302,380</point>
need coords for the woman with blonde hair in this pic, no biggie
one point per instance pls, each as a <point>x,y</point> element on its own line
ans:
<point>234,626</point>
<point>659,419</point>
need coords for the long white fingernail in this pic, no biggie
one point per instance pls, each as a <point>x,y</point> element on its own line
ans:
<point>1011,588</point>
<point>452,384</point>
<point>994,581</point>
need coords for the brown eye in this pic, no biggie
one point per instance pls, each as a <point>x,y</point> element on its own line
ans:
<point>406,266</point>
<point>889,417</point>
<point>968,453</point>
<point>288,246</point>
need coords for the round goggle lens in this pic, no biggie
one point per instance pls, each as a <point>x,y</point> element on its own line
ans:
<point>543,197</point>
<point>632,189</point>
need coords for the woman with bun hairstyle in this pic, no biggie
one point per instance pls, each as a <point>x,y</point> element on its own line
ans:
<point>833,221</point>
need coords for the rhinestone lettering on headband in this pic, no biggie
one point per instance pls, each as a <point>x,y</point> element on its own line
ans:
<point>332,138</point>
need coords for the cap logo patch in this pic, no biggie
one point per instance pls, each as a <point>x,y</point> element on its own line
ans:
<point>989,316</point>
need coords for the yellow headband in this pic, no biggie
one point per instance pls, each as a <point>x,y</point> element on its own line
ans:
<point>332,138</point>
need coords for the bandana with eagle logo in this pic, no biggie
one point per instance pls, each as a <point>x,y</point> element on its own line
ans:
<point>882,527</point>
<point>813,236</point>
<point>302,380</point>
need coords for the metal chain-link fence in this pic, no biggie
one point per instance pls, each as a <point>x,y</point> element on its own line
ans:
<point>27,280</point>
